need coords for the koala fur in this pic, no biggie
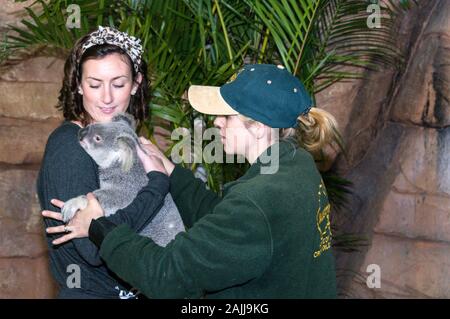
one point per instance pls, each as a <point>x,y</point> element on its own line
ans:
<point>113,147</point>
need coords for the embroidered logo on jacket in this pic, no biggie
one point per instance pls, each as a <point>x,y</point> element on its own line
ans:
<point>323,221</point>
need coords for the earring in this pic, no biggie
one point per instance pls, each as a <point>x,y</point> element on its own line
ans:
<point>79,91</point>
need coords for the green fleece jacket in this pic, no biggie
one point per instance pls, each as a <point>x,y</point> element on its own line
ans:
<point>267,237</point>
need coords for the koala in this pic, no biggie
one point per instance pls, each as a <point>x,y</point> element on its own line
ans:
<point>113,147</point>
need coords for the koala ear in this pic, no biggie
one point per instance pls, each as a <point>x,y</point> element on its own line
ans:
<point>126,149</point>
<point>125,118</point>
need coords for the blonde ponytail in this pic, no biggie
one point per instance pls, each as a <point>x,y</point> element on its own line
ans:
<point>316,130</point>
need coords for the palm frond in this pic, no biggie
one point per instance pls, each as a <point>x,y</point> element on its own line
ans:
<point>338,188</point>
<point>326,41</point>
<point>46,25</point>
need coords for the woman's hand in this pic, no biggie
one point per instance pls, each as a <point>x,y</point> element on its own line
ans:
<point>78,227</point>
<point>153,158</point>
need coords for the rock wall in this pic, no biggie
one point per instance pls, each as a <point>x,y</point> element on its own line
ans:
<point>28,94</point>
<point>399,161</point>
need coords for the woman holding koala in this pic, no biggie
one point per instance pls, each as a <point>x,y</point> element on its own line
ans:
<point>103,76</point>
<point>269,236</point>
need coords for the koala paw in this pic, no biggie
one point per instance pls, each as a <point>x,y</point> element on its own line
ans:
<point>72,206</point>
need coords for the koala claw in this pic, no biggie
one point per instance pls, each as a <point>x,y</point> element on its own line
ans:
<point>72,206</point>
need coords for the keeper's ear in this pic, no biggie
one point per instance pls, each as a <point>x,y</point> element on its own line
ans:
<point>125,118</point>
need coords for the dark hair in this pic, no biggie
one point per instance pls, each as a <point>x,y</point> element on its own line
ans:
<point>70,101</point>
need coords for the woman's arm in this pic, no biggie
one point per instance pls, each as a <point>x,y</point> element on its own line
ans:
<point>209,257</point>
<point>71,173</point>
<point>191,196</point>
<point>150,199</point>
<point>147,203</point>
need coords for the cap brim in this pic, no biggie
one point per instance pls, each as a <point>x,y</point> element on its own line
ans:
<point>208,100</point>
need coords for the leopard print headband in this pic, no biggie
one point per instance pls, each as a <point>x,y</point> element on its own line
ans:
<point>131,45</point>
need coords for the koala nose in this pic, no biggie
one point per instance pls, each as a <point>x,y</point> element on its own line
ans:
<point>82,133</point>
